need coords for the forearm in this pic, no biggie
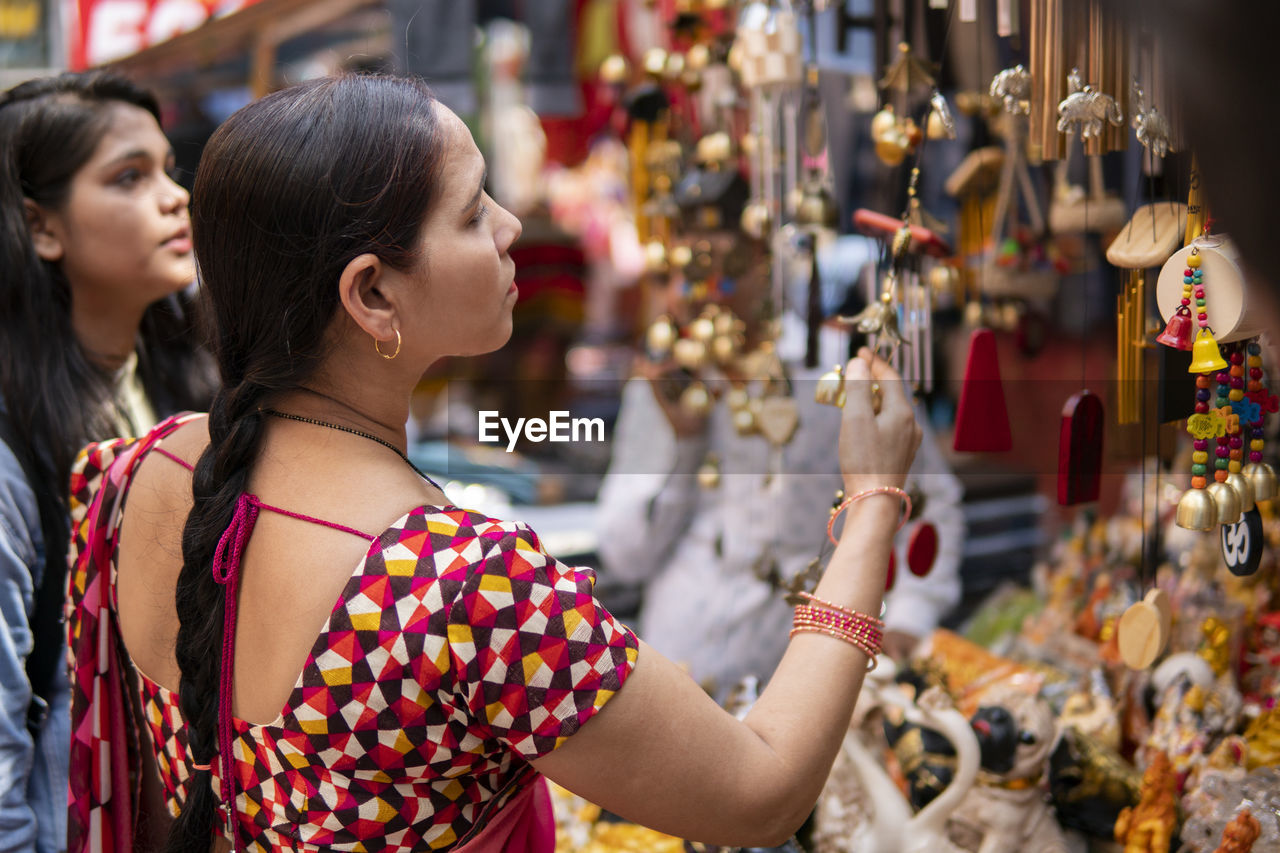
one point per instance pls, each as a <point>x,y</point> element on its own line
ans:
<point>804,713</point>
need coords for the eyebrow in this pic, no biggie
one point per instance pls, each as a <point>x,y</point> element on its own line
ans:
<point>484,176</point>
<point>137,154</point>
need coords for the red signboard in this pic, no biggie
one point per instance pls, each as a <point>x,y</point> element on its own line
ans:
<point>105,30</point>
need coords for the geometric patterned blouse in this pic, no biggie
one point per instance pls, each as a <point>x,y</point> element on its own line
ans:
<point>458,651</point>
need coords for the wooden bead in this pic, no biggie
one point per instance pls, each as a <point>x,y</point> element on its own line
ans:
<point>1198,482</point>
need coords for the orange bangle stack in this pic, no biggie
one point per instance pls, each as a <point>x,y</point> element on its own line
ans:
<point>859,630</point>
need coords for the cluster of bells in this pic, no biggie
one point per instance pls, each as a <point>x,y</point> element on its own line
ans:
<point>1225,502</point>
<point>715,336</point>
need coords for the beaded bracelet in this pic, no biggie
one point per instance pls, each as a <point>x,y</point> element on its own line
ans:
<point>857,629</point>
<point>831,605</point>
<point>813,629</point>
<point>866,493</point>
<point>857,624</point>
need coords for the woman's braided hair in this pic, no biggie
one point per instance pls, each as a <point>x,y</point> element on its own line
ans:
<point>289,190</point>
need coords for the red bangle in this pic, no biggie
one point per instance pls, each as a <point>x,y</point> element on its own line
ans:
<point>866,493</point>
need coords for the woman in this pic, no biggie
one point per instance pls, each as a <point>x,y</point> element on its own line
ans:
<point>95,340</point>
<point>345,243</point>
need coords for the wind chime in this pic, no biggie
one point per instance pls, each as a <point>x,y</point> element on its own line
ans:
<point>1153,233</point>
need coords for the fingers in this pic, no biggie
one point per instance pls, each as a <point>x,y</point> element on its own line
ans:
<point>893,391</point>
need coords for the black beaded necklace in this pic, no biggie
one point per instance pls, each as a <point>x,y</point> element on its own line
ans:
<point>354,431</point>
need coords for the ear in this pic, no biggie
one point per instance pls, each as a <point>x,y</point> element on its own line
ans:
<point>46,231</point>
<point>364,291</point>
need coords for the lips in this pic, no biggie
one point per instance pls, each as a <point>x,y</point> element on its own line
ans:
<point>180,240</point>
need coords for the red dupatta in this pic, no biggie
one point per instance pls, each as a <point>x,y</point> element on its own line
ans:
<point>105,758</point>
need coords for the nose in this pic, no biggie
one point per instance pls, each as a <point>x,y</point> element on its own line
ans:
<point>509,231</point>
<point>173,196</point>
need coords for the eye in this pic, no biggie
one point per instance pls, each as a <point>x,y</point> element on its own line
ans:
<point>1026,737</point>
<point>481,213</point>
<point>128,177</point>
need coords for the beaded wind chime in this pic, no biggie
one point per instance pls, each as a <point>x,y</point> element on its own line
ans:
<point>1208,503</point>
<point>1259,474</point>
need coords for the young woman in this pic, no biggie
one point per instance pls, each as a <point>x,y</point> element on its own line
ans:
<point>95,340</point>
<point>414,701</point>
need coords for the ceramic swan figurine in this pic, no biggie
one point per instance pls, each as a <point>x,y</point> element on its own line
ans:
<point>892,826</point>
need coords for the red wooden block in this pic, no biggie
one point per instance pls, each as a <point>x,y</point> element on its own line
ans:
<point>1080,449</point>
<point>982,419</point>
<point>922,550</point>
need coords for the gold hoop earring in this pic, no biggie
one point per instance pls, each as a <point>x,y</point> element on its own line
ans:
<point>377,346</point>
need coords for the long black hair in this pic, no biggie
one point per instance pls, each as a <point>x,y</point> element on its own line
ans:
<point>289,190</point>
<point>58,398</point>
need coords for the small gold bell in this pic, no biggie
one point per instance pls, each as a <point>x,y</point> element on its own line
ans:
<point>682,256</point>
<point>702,329</point>
<point>614,70</point>
<point>724,348</point>
<point>756,220</point>
<point>655,257</point>
<point>744,421</point>
<point>1196,510</point>
<point>736,398</point>
<point>659,338</point>
<point>1243,488</point>
<point>1263,479</point>
<point>695,400</point>
<point>892,148</point>
<point>829,390</point>
<point>1227,501</point>
<point>709,472</point>
<point>883,122</point>
<point>690,354</point>
<point>817,207</point>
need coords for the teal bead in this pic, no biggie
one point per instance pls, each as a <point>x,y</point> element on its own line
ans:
<point>1198,469</point>
<point>1186,279</point>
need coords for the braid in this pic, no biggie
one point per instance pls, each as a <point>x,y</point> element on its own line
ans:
<point>221,476</point>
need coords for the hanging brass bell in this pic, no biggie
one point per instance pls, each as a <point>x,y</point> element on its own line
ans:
<point>883,122</point>
<point>655,257</point>
<point>1196,510</point>
<point>1177,333</point>
<point>690,354</point>
<point>1205,356</point>
<point>1227,501</point>
<point>744,421</point>
<point>659,338</point>
<point>702,329</point>
<point>756,220</point>
<point>696,400</point>
<point>724,348</point>
<point>1243,488</point>
<point>829,390</point>
<point>817,208</point>
<point>709,472</point>
<point>1263,479</point>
